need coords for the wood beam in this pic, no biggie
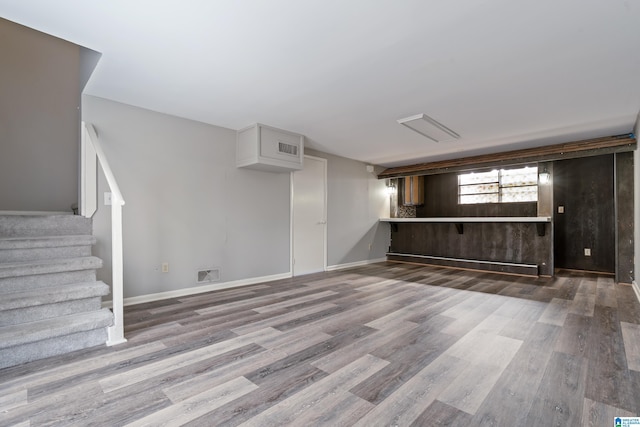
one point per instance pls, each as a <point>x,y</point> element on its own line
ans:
<point>569,150</point>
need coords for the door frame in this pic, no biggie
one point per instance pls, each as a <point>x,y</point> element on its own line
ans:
<point>324,214</point>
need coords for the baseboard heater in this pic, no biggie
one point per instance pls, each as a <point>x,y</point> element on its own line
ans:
<point>495,266</point>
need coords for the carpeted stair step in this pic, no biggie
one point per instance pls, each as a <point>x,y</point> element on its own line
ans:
<point>41,225</point>
<point>50,302</point>
<point>20,249</point>
<point>49,280</point>
<point>59,265</point>
<point>22,276</point>
<point>45,303</point>
<point>36,340</point>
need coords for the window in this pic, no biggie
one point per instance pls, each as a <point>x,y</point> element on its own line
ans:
<point>499,186</point>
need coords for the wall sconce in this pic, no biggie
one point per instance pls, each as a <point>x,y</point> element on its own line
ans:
<point>544,177</point>
<point>391,187</point>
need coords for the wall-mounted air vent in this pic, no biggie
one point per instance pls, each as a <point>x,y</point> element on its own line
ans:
<point>209,276</point>
<point>288,148</point>
<point>269,149</point>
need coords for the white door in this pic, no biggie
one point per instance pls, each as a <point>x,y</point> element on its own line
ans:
<point>309,222</point>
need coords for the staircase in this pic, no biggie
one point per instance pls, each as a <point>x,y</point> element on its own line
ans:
<point>50,301</point>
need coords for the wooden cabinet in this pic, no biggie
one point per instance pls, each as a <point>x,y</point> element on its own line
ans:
<point>413,191</point>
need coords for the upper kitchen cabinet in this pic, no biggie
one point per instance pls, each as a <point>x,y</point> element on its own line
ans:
<point>413,191</point>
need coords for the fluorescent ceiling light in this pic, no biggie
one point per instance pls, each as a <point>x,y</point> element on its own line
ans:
<point>426,126</point>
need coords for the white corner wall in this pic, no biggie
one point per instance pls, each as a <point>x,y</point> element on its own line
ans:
<point>186,202</point>
<point>39,120</point>
<point>356,199</point>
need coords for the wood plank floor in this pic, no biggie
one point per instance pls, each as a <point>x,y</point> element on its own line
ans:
<point>381,345</point>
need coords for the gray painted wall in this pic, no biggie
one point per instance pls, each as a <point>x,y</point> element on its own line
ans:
<point>356,199</point>
<point>39,120</point>
<point>188,205</point>
<point>186,202</point>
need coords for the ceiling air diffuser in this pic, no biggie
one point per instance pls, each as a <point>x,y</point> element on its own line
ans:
<point>426,126</point>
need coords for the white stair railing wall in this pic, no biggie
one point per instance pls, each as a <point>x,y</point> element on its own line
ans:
<point>91,150</point>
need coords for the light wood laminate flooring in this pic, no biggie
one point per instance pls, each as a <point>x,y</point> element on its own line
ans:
<point>380,345</point>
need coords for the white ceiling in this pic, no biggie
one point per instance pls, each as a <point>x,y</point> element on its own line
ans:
<point>503,74</point>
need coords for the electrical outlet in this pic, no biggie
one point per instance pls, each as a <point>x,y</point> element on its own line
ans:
<point>107,199</point>
<point>560,209</point>
<point>165,267</point>
<point>587,252</point>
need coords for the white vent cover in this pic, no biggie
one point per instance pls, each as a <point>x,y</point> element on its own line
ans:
<point>208,276</point>
<point>285,148</point>
<point>269,149</point>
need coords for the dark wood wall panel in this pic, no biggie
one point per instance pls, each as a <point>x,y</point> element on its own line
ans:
<point>503,242</point>
<point>624,217</point>
<point>441,200</point>
<point>597,194</point>
<point>585,188</point>
<point>569,150</point>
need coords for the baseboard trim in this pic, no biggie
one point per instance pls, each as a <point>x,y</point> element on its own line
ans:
<point>116,342</point>
<point>354,264</point>
<point>469,264</point>
<point>199,289</point>
<point>636,289</point>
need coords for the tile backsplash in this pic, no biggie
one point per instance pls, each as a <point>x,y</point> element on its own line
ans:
<point>406,211</point>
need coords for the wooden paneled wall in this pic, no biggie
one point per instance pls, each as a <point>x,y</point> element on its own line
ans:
<point>597,194</point>
<point>441,200</point>
<point>569,150</point>
<point>624,217</point>
<point>585,189</point>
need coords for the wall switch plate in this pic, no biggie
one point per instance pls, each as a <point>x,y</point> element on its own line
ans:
<point>560,209</point>
<point>107,199</point>
<point>165,267</point>
<point>587,252</point>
